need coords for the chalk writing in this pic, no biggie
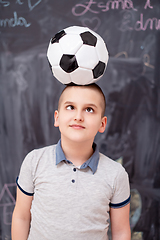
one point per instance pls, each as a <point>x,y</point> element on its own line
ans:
<point>140,25</point>
<point>31,5</point>
<point>19,2</point>
<point>92,23</point>
<point>81,9</point>
<point>8,204</point>
<point>152,23</point>
<point>148,4</point>
<point>146,61</point>
<point>127,7</point>
<point>15,21</point>
<point>4,3</point>
<point>111,5</point>
<point>126,23</point>
<point>121,54</point>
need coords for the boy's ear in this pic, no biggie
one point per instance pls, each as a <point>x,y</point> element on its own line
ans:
<point>103,124</point>
<point>56,123</point>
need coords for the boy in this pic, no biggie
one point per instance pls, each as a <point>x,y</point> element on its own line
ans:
<point>70,187</point>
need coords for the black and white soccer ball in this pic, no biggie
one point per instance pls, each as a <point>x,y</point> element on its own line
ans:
<point>77,55</point>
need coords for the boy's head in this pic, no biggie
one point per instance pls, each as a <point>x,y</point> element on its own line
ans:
<point>80,113</point>
<point>93,87</point>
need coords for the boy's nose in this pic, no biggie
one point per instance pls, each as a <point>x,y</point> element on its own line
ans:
<point>78,116</point>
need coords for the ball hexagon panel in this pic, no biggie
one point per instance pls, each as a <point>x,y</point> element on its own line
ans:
<point>70,43</point>
<point>96,34</point>
<point>99,70</point>
<point>68,63</point>
<point>88,38</point>
<point>87,57</point>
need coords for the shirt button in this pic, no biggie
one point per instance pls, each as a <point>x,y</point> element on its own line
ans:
<point>73,181</point>
<point>74,169</point>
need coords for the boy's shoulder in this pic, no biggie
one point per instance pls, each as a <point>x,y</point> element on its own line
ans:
<point>45,149</point>
<point>112,172</point>
<point>107,160</point>
<point>35,156</point>
<point>106,164</point>
<point>42,150</point>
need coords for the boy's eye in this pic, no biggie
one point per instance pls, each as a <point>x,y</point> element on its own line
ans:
<point>70,107</point>
<point>89,109</point>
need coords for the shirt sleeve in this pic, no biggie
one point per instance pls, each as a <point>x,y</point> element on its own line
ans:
<point>25,179</point>
<point>121,190</point>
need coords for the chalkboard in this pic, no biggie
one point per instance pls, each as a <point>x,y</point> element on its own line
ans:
<point>29,94</point>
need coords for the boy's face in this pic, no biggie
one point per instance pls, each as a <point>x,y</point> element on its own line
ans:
<point>79,117</point>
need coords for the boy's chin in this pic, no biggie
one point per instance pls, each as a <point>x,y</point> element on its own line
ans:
<point>78,140</point>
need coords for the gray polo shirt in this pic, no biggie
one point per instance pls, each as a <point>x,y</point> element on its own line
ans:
<point>71,203</point>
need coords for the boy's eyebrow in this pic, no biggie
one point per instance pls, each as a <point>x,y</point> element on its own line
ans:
<point>68,102</point>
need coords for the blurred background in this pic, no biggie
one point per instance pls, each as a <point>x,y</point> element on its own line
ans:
<point>131,84</point>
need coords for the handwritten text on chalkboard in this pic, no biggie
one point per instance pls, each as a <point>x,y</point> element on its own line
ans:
<point>17,20</point>
<point>96,7</point>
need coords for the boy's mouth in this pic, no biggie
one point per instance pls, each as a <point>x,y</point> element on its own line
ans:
<point>77,126</point>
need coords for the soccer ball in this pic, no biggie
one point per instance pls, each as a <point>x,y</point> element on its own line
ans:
<point>77,55</point>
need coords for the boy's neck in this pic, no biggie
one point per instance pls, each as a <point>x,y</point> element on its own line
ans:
<point>77,153</point>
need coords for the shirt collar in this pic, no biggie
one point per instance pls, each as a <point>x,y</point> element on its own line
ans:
<point>92,162</point>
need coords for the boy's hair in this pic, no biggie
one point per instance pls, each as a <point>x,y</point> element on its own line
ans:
<point>93,86</point>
